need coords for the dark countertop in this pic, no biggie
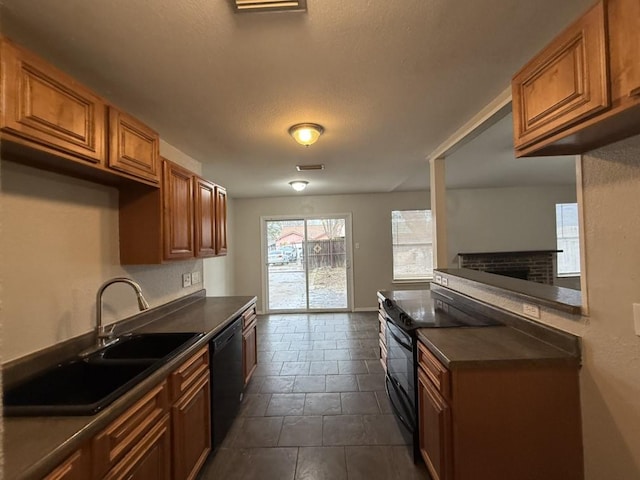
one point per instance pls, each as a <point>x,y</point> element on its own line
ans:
<point>484,346</point>
<point>490,347</point>
<point>33,446</point>
<point>560,298</point>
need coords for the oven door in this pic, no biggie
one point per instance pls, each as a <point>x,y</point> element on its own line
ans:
<point>400,379</point>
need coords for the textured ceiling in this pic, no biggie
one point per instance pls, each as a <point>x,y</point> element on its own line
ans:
<point>388,80</point>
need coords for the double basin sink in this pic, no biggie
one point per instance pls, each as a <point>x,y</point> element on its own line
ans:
<point>84,386</point>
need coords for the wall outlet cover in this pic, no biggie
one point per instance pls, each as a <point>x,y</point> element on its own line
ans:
<point>532,311</point>
<point>195,277</point>
<point>186,280</point>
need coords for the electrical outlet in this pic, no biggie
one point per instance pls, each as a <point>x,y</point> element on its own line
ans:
<point>445,282</point>
<point>532,311</point>
<point>195,277</point>
<point>636,317</point>
<point>438,278</point>
<point>186,280</point>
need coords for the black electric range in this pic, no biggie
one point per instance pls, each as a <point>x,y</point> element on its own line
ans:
<point>413,309</point>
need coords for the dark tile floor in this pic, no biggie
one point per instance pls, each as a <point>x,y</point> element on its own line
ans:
<point>315,408</point>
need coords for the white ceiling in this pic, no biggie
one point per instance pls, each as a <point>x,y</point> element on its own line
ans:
<point>389,80</point>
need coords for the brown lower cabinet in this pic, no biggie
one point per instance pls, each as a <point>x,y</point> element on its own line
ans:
<point>249,343</point>
<point>166,435</point>
<point>509,421</point>
<point>149,459</point>
<point>76,467</point>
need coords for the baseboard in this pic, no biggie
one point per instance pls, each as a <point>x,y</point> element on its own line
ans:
<point>366,309</point>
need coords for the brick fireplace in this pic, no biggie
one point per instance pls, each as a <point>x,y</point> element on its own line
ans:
<point>533,265</point>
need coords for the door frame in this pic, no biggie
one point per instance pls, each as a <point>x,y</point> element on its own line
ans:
<point>348,261</point>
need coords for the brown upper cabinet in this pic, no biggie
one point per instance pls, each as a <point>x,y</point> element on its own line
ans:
<point>177,196</point>
<point>221,220</point>
<point>51,121</point>
<point>133,147</point>
<point>46,109</point>
<point>583,90</point>
<point>182,220</point>
<point>205,215</point>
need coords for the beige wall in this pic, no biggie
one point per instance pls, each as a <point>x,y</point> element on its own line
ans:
<point>503,219</point>
<point>610,379</point>
<point>218,271</point>
<point>59,243</point>
<point>371,217</point>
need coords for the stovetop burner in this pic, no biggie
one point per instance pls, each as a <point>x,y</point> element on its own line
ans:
<point>412,309</point>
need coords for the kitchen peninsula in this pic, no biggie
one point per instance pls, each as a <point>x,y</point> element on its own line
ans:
<point>484,378</point>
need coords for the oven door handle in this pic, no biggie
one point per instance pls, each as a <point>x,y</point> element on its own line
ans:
<point>395,409</point>
<point>398,339</point>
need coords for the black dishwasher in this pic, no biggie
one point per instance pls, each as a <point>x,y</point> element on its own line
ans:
<point>227,381</point>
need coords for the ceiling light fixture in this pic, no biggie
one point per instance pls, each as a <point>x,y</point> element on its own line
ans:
<point>306,133</point>
<point>299,185</point>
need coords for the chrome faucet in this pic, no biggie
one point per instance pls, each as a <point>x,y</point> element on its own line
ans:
<point>103,337</point>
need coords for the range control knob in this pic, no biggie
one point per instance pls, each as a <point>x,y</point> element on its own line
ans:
<point>405,319</point>
<point>388,303</point>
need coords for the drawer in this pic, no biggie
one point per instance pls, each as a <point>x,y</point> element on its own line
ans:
<point>435,371</point>
<point>248,316</point>
<point>383,356</point>
<point>110,445</point>
<point>382,331</point>
<point>76,467</point>
<point>188,373</point>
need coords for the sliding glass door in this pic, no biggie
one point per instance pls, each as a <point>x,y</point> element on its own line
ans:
<point>307,263</point>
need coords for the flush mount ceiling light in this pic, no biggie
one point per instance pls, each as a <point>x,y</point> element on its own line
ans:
<point>299,185</point>
<point>243,6</point>
<point>306,133</point>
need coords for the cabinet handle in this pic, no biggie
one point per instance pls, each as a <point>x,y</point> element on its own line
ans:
<point>634,92</point>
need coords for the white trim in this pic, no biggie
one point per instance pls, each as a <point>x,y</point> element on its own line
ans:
<point>584,287</point>
<point>412,282</point>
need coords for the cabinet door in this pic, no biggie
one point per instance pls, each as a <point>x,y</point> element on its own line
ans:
<point>624,45</point>
<point>133,147</point>
<point>49,109</point>
<point>221,221</point>
<point>149,459</point>
<point>191,421</point>
<point>434,423</point>
<point>76,467</point>
<point>205,215</point>
<point>178,212</point>
<point>565,83</point>
<point>250,352</point>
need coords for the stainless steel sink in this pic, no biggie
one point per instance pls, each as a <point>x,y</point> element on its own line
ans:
<point>85,386</point>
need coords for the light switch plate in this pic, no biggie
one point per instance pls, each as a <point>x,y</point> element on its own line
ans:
<point>438,278</point>
<point>636,317</point>
<point>186,280</point>
<point>195,277</point>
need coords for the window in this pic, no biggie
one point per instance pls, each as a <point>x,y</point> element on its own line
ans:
<point>568,239</point>
<point>412,245</point>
